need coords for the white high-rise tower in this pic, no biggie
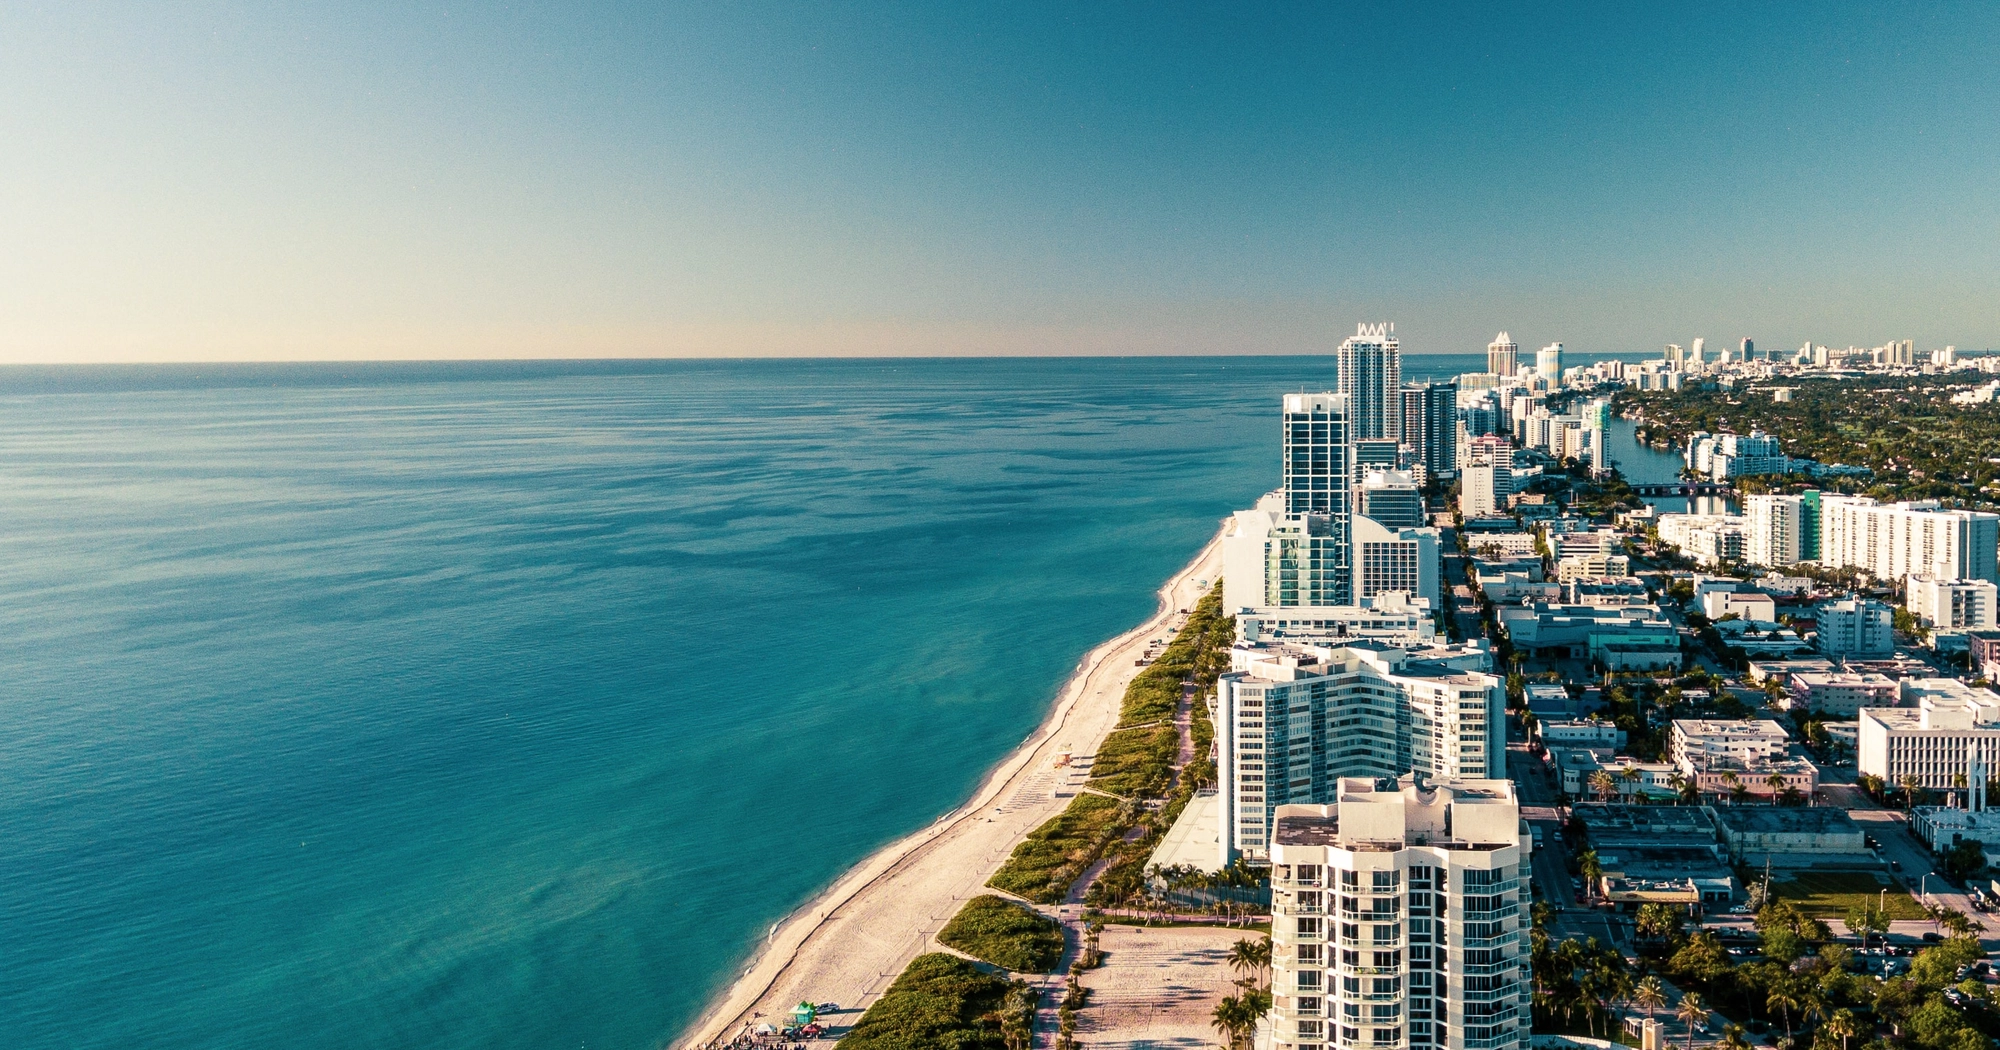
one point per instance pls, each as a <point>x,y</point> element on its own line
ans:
<point>1549,362</point>
<point>1503,356</point>
<point>1371,375</point>
<point>1399,918</point>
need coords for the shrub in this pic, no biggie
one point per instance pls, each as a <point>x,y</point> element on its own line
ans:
<point>1042,867</point>
<point>1005,934</point>
<point>938,1003</point>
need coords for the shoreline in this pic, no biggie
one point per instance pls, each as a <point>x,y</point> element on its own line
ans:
<point>849,941</point>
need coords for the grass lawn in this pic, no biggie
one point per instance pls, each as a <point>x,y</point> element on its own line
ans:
<point>1042,867</point>
<point>1005,934</point>
<point>1828,895</point>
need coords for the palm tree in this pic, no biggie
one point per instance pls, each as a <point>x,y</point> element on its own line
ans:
<point>1909,783</point>
<point>1872,784</point>
<point>1650,995</point>
<point>1958,781</point>
<point>1602,783</point>
<point>1693,1012</point>
<point>1776,782</point>
<point>1232,1019</point>
<point>1842,1027</point>
<point>1732,1038</point>
<point>1588,866</point>
<point>1630,775</point>
<point>1784,1000</point>
<point>1243,956</point>
<point>1679,783</point>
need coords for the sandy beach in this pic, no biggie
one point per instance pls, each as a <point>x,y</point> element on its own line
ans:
<point>848,944</point>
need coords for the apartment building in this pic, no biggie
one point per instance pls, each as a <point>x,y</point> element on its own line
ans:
<point>1952,605</point>
<point>1291,720</point>
<point>1400,918</point>
<point>1894,541</point>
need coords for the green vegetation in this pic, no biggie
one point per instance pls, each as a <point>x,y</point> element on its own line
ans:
<point>1832,894</point>
<point>1800,984</point>
<point>1005,934</point>
<point>1042,867</point>
<point>942,1002</point>
<point>1904,428</point>
<point>1136,763</point>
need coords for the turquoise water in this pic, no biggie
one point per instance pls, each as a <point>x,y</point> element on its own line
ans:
<point>439,706</point>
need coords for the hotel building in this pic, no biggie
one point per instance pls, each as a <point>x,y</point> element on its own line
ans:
<point>1370,375</point>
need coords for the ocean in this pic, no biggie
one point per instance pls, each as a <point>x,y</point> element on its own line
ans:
<point>509,705</point>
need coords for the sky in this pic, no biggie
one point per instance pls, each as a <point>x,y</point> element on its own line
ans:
<point>288,181</point>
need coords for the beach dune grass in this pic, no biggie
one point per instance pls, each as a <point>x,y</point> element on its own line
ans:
<point>1829,895</point>
<point>1042,867</point>
<point>1136,763</point>
<point>940,1000</point>
<point>1006,934</point>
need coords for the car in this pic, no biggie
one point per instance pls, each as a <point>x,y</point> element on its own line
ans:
<point>1741,909</point>
<point>1932,938</point>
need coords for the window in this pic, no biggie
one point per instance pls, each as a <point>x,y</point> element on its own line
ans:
<point>1309,954</point>
<point>1388,960</point>
<point>1350,880</point>
<point>1351,985</point>
<point>1310,1029</point>
<point>1308,874</point>
<point>1387,985</point>
<point>1309,1004</point>
<point>1385,1037</point>
<point>1308,926</point>
<point>1388,933</point>
<point>1350,958</point>
<point>1385,881</point>
<point>1308,979</point>
<point>1350,933</point>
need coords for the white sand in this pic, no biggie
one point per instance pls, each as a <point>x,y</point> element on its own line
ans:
<point>1158,988</point>
<point>850,943</point>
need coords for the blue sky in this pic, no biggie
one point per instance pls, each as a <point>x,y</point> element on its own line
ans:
<point>213,181</point>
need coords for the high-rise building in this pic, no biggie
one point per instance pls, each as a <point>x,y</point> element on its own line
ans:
<point>1430,426</point>
<point>1292,719</point>
<point>1745,349</point>
<point>1399,918</point>
<point>1271,559</point>
<point>1370,367</point>
<point>1891,541</point>
<point>1318,450</point>
<point>1775,527</point>
<point>1371,454</point>
<point>1484,489</point>
<point>1393,499</point>
<point>1811,519</point>
<point>1401,560</point>
<point>1549,363</point>
<point>1503,356</point>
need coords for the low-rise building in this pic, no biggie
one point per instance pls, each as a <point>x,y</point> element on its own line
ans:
<point>1391,617</point>
<point>1744,605</point>
<point>1493,545</point>
<point>1791,836</point>
<point>1949,726</point>
<point>1592,733</point>
<point>1607,591</point>
<point>1656,855</point>
<point>1841,693</point>
<point>1761,637</point>
<point>1586,566</point>
<point>1620,638</point>
<point>1750,757</point>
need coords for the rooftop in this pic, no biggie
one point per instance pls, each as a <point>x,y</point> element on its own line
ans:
<point>1816,820</point>
<point>1615,820</point>
<point>1307,831</point>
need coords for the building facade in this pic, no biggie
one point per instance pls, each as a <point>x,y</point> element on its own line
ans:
<point>1951,605</point>
<point>1775,530</point>
<point>1856,629</point>
<point>1894,541</point>
<point>1393,499</point>
<point>1400,919</point>
<point>1291,720</point>
<point>1951,726</point>
<point>1503,355</point>
<point>1430,427</point>
<point>1318,453</point>
<point>1370,373</point>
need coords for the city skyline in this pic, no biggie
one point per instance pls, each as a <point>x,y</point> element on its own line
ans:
<point>313,181</point>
